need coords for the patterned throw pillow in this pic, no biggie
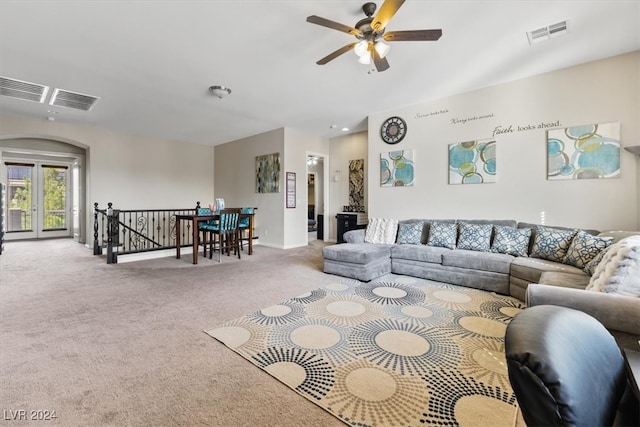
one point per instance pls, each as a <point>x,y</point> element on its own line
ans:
<point>475,237</point>
<point>591,265</point>
<point>585,247</point>
<point>619,270</point>
<point>551,243</point>
<point>381,230</point>
<point>511,241</point>
<point>410,233</point>
<point>443,234</point>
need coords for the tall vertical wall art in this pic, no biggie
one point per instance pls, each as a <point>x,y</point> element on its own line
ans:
<point>584,152</point>
<point>268,173</point>
<point>397,169</point>
<point>472,162</point>
<point>356,182</point>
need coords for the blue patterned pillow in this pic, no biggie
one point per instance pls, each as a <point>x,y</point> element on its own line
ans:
<point>475,237</point>
<point>585,247</point>
<point>410,233</point>
<point>443,234</point>
<point>591,265</point>
<point>511,241</point>
<point>551,243</point>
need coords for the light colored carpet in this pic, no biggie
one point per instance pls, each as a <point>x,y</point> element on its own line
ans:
<point>398,351</point>
<point>122,345</point>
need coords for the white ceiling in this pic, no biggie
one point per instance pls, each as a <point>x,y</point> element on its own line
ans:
<point>151,62</point>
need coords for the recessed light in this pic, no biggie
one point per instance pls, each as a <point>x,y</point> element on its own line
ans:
<point>345,129</point>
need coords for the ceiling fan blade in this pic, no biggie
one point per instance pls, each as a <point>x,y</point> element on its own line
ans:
<point>412,35</point>
<point>332,24</point>
<point>381,63</point>
<point>334,55</point>
<point>385,13</point>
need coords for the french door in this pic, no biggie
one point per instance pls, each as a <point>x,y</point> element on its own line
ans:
<point>38,200</point>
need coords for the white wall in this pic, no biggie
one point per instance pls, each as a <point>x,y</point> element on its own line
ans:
<point>130,171</point>
<point>297,146</point>
<point>235,182</point>
<point>235,177</point>
<point>598,92</point>
<point>343,150</point>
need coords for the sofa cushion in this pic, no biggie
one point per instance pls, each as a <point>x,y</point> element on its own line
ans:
<point>443,234</point>
<point>431,254</point>
<point>502,222</point>
<point>354,236</point>
<point>381,230</point>
<point>474,237</point>
<point>564,280</point>
<point>474,260</point>
<point>362,272</point>
<point>619,270</point>
<point>512,241</point>
<point>584,247</point>
<point>530,269</point>
<point>410,233</point>
<point>551,243</point>
<point>357,253</point>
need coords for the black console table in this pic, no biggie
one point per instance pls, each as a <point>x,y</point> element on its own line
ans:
<point>347,221</point>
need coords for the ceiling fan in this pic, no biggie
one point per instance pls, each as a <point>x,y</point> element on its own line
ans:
<point>371,34</point>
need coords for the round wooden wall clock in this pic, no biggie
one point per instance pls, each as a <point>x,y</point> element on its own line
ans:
<point>393,130</point>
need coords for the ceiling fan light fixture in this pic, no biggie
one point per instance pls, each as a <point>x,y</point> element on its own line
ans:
<point>382,48</point>
<point>361,47</point>
<point>365,58</point>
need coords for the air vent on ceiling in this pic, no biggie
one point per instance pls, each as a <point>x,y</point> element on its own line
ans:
<point>545,33</point>
<point>23,90</point>
<point>78,101</point>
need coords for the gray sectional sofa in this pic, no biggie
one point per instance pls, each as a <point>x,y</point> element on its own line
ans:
<point>488,270</point>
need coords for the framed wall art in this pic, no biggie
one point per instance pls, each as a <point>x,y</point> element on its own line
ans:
<point>291,189</point>
<point>268,173</point>
<point>584,152</point>
<point>397,169</point>
<point>472,162</point>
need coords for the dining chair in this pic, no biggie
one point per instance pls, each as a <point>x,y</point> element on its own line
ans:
<point>202,228</point>
<point>225,233</point>
<point>243,225</point>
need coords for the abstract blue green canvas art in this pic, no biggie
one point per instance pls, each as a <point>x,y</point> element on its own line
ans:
<point>584,152</point>
<point>397,169</point>
<point>472,162</point>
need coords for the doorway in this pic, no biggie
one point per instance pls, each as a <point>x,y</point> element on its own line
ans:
<point>316,196</point>
<point>38,199</point>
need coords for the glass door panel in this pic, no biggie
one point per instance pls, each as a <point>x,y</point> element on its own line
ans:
<point>20,199</point>
<point>54,197</point>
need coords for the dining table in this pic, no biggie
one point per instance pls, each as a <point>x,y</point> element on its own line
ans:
<point>195,219</point>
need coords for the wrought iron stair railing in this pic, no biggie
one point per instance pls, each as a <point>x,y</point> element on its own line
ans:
<point>121,231</point>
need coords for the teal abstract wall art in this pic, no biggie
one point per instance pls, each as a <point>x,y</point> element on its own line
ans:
<point>397,169</point>
<point>472,162</point>
<point>268,173</point>
<point>584,152</point>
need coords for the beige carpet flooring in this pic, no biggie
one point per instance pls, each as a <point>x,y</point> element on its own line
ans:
<point>123,345</point>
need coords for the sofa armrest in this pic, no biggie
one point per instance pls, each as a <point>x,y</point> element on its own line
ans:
<point>615,312</point>
<point>354,236</point>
